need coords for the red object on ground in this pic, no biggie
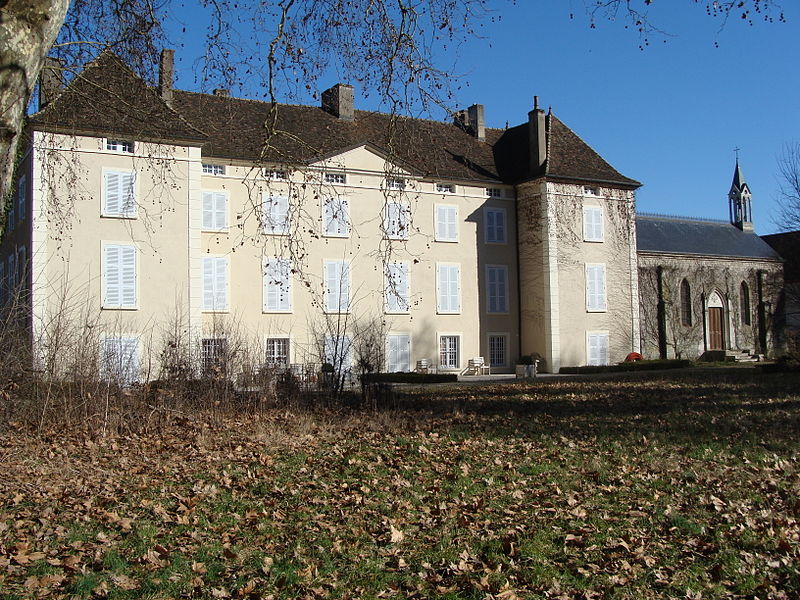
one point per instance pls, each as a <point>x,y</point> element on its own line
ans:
<point>633,356</point>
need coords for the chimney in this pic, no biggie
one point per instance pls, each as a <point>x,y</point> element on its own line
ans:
<point>537,139</point>
<point>338,101</point>
<point>51,80</point>
<point>222,92</point>
<point>166,75</point>
<point>476,123</point>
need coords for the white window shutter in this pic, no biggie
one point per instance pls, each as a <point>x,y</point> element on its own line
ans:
<point>127,270</point>
<point>501,290</point>
<point>112,277</point>
<point>344,293</point>
<point>441,286</point>
<point>337,284</point>
<point>221,212</point>
<point>456,287</point>
<point>208,210</point>
<point>113,193</point>
<point>208,283</point>
<point>128,183</point>
<point>452,232</point>
<point>491,226</point>
<point>221,284</point>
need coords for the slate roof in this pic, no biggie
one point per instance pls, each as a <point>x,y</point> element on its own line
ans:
<point>108,98</point>
<point>788,246</point>
<point>677,235</point>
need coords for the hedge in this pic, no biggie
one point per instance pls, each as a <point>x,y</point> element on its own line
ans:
<point>409,377</point>
<point>639,365</point>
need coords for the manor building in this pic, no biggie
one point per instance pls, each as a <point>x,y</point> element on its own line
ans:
<point>157,214</point>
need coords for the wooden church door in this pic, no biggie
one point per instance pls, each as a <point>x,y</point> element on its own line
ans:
<point>715,338</point>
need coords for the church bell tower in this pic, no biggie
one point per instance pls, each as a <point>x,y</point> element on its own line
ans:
<point>739,201</point>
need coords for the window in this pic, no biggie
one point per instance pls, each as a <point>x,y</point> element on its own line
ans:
<point>446,223</point>
<point>396,220</point>
<point>337,286</point>
<point>337,178</point>
<point>277,175</point>
<point>119,145</point>
<point>494,193</point>
<point>498,350</point>
<point>22,196</point>
<point>338,351</point>
<point>446,188</point>
<point>597,348</point>
<point>209,169</point>
<point>448,288</point>
<point>214,356</point>
<point>397,287</point>
<point>395,183</point>
<point>11,219</point>
<point>22,264</point>
<point>277,285</point>
<point>449,352</point>
<point>336,216</point>
<point>497,289</point>
<point>686,303</point>
<point>119,194</point>
<point>744,303</point>
<point>589,190</point>
<point>398,353</point>
<point>119,359</point>
<point>592,223</point>
<point>275,214</point>
<point>119,276</point>
<point>11,274</point>
<point>215,211</point>
<point>277,352</point>
<point>495,225</point>
<point>215,283</point>
<point>596,288</point>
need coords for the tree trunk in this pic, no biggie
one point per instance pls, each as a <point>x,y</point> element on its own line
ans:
<point>28,29</point>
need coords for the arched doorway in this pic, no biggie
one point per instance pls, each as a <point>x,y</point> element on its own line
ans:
<point>716,322</point>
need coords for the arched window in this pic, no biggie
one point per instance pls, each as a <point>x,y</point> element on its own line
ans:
<point>744,303</point>
<point>686,303</point>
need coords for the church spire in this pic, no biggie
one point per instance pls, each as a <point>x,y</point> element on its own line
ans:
<point>739,201</point>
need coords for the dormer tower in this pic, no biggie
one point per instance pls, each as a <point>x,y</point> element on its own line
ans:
<point>739,201</point>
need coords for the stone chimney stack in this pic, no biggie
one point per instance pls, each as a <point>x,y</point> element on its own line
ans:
<point>166,75</point>
<point>338,101</point>
<point>51,80</point>
<point>222,92</point>
<point>537,137</point>
<point>476,121</point>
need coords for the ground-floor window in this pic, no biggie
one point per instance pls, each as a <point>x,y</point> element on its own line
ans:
<point>498,349</point>
<point>213,352</point>
<point>119,359</point>
<point>597,348</point>
<point>277,352</point>
<point>398,353</point>
<point>449,352</point>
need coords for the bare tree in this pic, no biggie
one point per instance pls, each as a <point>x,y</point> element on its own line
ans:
<point>789,191</point>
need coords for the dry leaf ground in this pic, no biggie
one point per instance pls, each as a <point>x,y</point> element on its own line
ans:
<point>683,486</point>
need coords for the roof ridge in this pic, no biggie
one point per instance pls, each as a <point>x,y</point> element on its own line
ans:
<point>670,217</point>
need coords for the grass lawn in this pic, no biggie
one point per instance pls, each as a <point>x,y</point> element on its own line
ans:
<point>677,485</point>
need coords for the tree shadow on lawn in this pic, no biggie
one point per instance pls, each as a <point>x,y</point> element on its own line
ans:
<point>724,405</point>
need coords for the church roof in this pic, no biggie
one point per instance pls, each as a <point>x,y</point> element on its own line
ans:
<point>107,98</point>
<point>679,235</point>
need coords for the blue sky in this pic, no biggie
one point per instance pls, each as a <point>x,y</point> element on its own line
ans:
<point>669,115</point>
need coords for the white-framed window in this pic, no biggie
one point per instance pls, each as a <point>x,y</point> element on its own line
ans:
<point>277,285</point>
<point>214,356</point>
<point>596,288</point>
<point>597,347</point>
<point>336,178</point>
<point>215,211</point>
<point>277,352</point>
<point>119,359</point>
<point>498,349</point>
<point>337,286</point>
<point>215,283</point>
<point>22,196</point>
<point>397,220</point>
<point>120,146</point>
<point>450,351</point>
<point>448,288</point>
<point>277,175</point>
<point>119,194</point>
<point>496,288</point>
<point>591,190</point>
<point>275,214</point>
<point>395,183</point>
<point>398,353</point>
<point>119,276</point>
<point>338,351</point>
<point>446,188</point>
<point>495,225</point>
<point>593,223</point>
<point>212,169</point>
<point>397,287</point>
<point>494,193</point>
<point>336,216</point>
<point>446,223</point>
